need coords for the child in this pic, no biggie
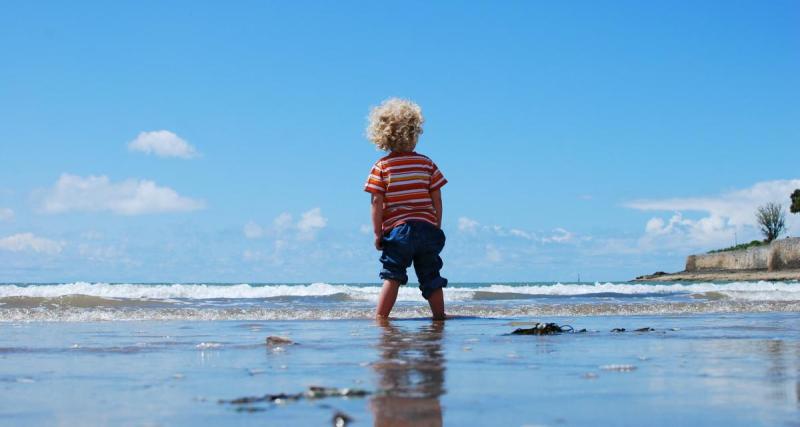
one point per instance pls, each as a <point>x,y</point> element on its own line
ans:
<point>406,206</point>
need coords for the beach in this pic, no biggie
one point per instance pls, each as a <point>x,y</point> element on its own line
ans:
<point>201,203</point>
<point>726,356</point>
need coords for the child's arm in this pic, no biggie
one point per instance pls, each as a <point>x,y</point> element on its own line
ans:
<point>377,219</point>
<point>436,197</point>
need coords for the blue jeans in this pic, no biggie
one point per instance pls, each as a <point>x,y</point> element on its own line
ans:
<point>418,242</point>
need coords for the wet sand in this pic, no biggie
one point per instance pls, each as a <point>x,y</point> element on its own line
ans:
<point>696,369</point>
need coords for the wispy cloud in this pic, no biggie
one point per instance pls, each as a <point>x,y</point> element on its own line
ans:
<point>283,222</point>
<point>310,222</point>
<point>289,243</point>
<point>472,227</point>
<point>284,226</point>
<point>252,230</point>
<point>28,242</point>
<point>162,143</point>
<point>281,251</point>
<point>467,225</point>
<point>6,214</point>
<point>103,253</point>
<point>73,193</point>
<point>559,235</point>
<point>521,233</point>
<point>493,255</point>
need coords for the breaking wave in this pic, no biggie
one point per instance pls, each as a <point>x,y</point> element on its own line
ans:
<point>83,301</point>
<point>784,291</point>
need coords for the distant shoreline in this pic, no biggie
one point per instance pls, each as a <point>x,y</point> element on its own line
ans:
<point>727,275</point>
<point>778,260</point>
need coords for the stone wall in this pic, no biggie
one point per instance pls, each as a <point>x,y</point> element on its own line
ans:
<point>780,254</point>
<point>784,254</point>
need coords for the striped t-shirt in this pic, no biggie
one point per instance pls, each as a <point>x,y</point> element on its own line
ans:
<point>406,181</point>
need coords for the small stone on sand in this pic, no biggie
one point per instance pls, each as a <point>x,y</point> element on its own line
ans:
<point>340,419</point>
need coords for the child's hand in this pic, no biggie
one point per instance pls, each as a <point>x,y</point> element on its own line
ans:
<point>379,242</point>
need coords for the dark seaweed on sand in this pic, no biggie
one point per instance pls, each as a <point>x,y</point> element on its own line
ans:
<point>312,393</point>
<point>544,329</point>
<point>554,329</point>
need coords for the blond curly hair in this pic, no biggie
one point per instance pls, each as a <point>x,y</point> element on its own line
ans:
<point>395,125</point>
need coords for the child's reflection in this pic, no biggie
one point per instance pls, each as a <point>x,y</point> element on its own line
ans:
<point>410,376</point>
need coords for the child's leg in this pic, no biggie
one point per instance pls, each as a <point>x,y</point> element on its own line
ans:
<point>436,301</point>
<point>398,251</point>
<point>387,298</point>
<point>428,264</point>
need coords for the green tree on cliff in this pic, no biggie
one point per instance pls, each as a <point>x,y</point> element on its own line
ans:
<point>771,220</point>
<point>795,201</point>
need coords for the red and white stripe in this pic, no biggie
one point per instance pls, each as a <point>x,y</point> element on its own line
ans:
<point>406,180</point>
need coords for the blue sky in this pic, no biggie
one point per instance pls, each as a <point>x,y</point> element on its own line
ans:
<point>600,139</point>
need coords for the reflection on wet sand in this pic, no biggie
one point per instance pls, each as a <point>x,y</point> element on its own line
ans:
<point>410,376</point>
<point>774,363</point>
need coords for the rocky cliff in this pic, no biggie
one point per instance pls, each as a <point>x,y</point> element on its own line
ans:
<point>780,260</point>
<point>781,254</point>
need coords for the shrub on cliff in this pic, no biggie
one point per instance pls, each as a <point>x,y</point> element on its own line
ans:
<point>771,220</point>
<point>795,201</point>
<point>741,246</point>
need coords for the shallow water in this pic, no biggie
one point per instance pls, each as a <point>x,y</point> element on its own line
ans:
<point>734,369</point>
<point>710,366</point>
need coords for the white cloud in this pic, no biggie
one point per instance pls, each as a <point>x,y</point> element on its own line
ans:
<point>276,257</point>
<point>470,226</point>
<point>285,229</point>
<point>467,225</point>
<point>280,245</point>
<point>737,207</point>
<point>252,256</point>
<point>680,232</point>
<point>365,229</point>
<point>521,233</point>
<point>162,143</point>
<point>98,193</point>
<point>283,222</point>
<point>6,214</point>
<point>28,242</point>
<point>253,231</point>
<point>102,253</point>
<point>559,235</point>
<point>310,222</point>
<point>726,215</point>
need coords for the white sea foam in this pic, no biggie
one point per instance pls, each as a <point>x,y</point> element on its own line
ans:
<point>173,291</point>
<point>208,345</point>
<point>638,289</point>
<point>749,291</point>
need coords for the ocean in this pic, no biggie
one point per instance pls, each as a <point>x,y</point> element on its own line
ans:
<point>187,354</point>
<point>81,301</point>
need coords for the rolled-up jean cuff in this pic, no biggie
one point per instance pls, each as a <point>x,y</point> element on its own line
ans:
<point>399,277</point>
<point>429,287</point>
